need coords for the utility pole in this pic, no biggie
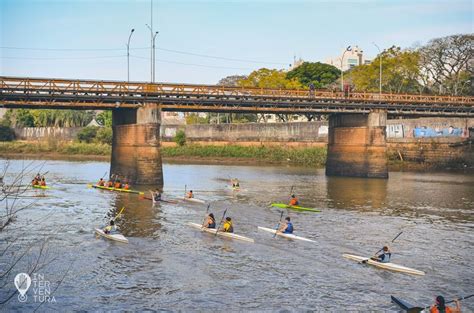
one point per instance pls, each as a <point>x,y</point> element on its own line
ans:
<point>380,69</point>
<point>342,70</point>
<point>128,54</point>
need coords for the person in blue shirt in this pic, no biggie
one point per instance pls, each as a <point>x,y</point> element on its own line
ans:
<point>287,226</point>
<point>383,256</point>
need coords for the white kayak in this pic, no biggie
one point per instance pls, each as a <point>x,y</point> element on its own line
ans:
<point>289,236</point>
<point>220,233</point>
<point>194,200</point>
<point>116,237</point>
<point>387,266</point>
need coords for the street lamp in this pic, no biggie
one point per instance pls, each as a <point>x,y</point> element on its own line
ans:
<point>153,37</point>
<point>342,70</point>
<point>380,69</point>
<point>128,55</point>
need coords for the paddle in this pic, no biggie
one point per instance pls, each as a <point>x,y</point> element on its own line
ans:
<point>278,226</point>
<point>185,187</point>
<point>220,223</point>
<point>365,261</point>
<point>116,216</point>
<point>419,309</point>
<point>207,210</point>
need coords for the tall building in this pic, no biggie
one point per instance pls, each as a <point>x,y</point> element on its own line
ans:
<point>352,58</point>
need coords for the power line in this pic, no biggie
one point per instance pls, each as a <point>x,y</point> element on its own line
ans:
<point>144,48</point>
<point>67,58</point>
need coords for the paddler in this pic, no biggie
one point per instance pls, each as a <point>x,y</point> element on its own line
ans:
<point>110,228</point>
<point>126,186</point>
<point>286,227</point>
<point>293,200</point>
<point>228,226</point>
<point>210,221</point>
<point>155,195</point>
<point>190,194</point>
<point>384,255</point>
<point>440,306</point>
<point>118,184</point>
<point>101,182</point>
<point>43,181</point>
<point>110,184</point>
<point>235,183</point>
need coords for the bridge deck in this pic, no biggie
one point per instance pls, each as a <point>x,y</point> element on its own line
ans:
<point>17,92</point>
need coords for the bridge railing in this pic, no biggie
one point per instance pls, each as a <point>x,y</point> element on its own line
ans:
<point>98,87</point>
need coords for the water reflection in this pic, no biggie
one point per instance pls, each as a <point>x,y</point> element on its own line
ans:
<point>356,193</point>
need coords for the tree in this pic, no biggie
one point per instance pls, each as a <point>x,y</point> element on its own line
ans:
<point>320,74</point>
<point>19,118</point>
<point>401,72</point>
<point>62,118</point>
<point>105,118</point>
<point>270,78</point>
<point>87,134</point>
<point>445,62</point>
<point>231,81</point>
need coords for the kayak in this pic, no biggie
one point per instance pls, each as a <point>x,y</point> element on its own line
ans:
<point>220,233</point>
<point>116,189</point>
<point>161,200</point>
<point>289,236</point>
<point>115,237</point>
<point>294,207</point>
<point>387,266</point>
<point>194,200</point>
<point>406,306</point>
<point>41,187</point>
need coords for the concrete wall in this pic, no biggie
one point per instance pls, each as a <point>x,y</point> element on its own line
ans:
<point>45,133</point>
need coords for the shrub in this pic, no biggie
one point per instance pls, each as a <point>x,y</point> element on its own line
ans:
<point>104,135</point>
<point>6,133</point>
<point>180,138</point>
<point>87,134</point>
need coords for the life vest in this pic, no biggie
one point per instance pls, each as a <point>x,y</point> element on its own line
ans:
<point>108,229</point>
<point>157,196</point>
<point>118,185</point>
<point>212,225</point>
<point>126,186</point>
<point>385,257</point>
<point>110,184</point>
<point>289,228</point>
<point>43,183</point>
<point>101,183</point>
<point>228,228</point>
<point>294,201</point>
<point>434,309</point>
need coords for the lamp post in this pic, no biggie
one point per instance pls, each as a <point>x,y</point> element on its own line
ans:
<point>342,70</point>
<point>128,55</point>
<point>153,37</point>
<point>380,68</point>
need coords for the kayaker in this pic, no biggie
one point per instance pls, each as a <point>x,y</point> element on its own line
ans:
<point>235,183</point>
<point>110,228</point>
<point>38,177</point>
<point>228,226</point>
<point>210,221</point>
<point>287,226</point>
<point>110,184</point>
<point>384,255</point>
<point>43,181</point>
<point>156,195</point>
<point>118,184</point>
<point>126,186</point>
<point>101,182</point>
<point>190,194</point>
<point>34,182</point>
<point>440,306</point>
<point>293,200</point>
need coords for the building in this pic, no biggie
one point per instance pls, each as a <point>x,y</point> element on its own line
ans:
<point>352,58</point>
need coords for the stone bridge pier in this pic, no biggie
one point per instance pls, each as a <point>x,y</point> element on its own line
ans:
<point>136,155</point>
<point>357,145</point>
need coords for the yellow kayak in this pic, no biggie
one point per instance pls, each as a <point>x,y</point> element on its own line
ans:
<point>41,187</point>
<point>116,189</point>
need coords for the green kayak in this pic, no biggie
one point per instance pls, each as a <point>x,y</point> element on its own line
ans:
<point>41,187</point>
<point>294,207</point>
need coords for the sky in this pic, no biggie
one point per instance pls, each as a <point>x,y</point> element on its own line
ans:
<point>202,41</point>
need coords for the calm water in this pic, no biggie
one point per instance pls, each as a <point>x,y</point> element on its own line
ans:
<point>168,265</point>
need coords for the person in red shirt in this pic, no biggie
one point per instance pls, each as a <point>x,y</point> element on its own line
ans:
<point>440,306</point>
<point>294,200</point>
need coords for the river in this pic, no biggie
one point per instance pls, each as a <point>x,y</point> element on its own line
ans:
<point>169,266</point>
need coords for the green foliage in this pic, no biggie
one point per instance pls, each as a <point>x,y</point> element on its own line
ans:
<point>61,118</point>
<point>66,148</point>
<point>180,138</point>
<point>193,118</point>
<point>105,118</point>
<point>104,135</point>
<point>19,118</point>
<point>400,72</point>
<point>268,78</point>
<point>308,156</point>
<point>87,134</point>
<point>319,74</point>
<point>6,133</point>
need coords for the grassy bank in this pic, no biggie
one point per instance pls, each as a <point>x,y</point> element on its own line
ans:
<point>313,156</point>
<point>64,148</point>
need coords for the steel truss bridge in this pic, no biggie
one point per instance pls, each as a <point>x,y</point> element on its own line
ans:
<point>25,92</point>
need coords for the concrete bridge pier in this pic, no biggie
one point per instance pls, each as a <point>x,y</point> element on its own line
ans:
<point>357,145</point>
<point>136,155</point>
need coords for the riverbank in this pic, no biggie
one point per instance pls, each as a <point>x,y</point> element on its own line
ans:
<point>199,154</point>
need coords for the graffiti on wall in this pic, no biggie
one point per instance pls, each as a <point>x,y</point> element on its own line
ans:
<point>423,131</point>
<point>395,131</point>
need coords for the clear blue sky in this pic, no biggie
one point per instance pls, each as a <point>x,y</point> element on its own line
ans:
<point>259,30</point>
